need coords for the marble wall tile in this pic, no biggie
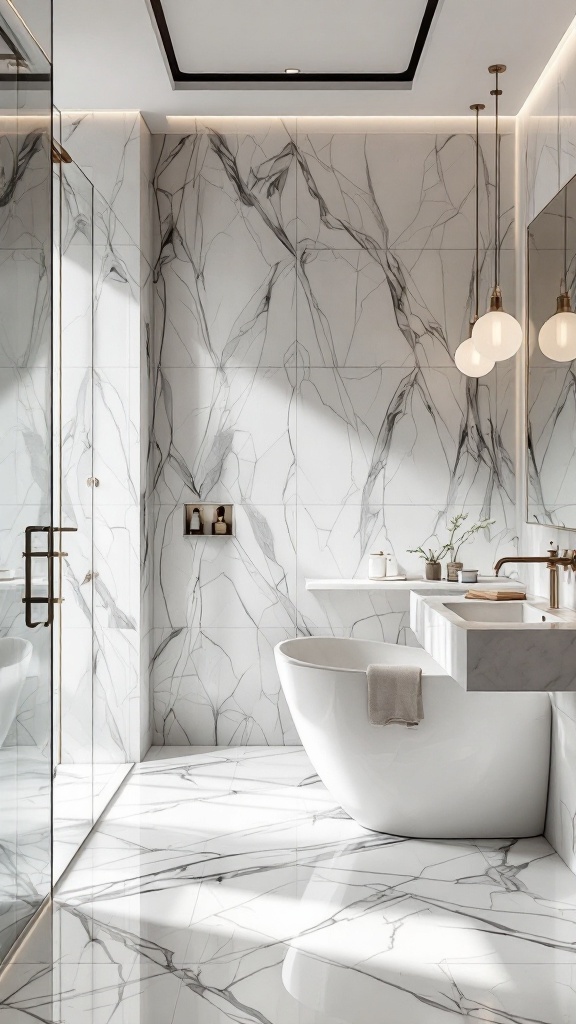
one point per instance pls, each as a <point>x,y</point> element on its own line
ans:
<point>395,307</point>
<point>385,190</point>
<point>107,358</point>
<point>117,270</point>
<point>116,689</point>
<point>116,562</point>
<point>552,416</point>
<point>246,580</point>
<point>396,437</point>
<point>116,416</point>
<point>25,389</point>
<point>309,298</point>
<point>219,686</point>
<point>107,147</point>
<point>252,323</point>
<point>26,184</point>
<point>547,160</point>
<point>25,434</point>
<point>77,726</point>
<point>24,308</point>
<point>334,542</point>
<point>225,435</point>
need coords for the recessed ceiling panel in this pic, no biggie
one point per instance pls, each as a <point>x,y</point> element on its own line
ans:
<point>316,36</point>
<point>317,39</point>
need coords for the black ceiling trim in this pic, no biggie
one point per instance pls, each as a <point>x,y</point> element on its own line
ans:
<point>399,79</point>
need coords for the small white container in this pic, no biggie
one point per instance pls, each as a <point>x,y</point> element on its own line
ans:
<point>468,576</point>
<point>391,565</point>
<point>7,574</point>
<point>377,566</point>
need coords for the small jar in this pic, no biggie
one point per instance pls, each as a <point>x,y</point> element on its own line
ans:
<point>391,565</point>
<point>468,576</point>
<point>452,570</point>
<point>377,566</point>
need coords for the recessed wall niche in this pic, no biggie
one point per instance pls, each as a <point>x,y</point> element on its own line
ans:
<point>208,520</point>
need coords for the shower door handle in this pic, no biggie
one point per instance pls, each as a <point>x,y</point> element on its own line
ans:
<point>50,555</point>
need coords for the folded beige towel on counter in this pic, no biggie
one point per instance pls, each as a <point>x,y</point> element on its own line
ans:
<point>395,694</point>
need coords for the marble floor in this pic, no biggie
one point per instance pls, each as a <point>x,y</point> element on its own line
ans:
<point>227,886</point>
<point>80,794</point>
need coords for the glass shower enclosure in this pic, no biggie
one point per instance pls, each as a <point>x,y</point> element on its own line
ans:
<point>29,543</point>
<point>65,739</point>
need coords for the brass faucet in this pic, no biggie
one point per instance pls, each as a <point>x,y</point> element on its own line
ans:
<point>553,560</point>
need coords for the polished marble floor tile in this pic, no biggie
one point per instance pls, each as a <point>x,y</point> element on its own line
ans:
<point>226,885</point>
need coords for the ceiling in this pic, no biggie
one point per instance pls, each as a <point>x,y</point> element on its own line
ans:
<point>340,38</point>
<point>109,55</point>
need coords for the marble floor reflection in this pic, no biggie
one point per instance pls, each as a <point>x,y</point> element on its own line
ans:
<point>227,886</point>
<point>80,794</point>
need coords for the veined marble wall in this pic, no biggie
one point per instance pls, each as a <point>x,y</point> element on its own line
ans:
<point>114,152</point>
<point>313,279</point>
<point>25,387</point>
<point>546,161</point>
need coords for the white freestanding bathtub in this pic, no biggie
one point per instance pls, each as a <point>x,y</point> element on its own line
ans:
<point>15,655</point>
<point>476,767</point>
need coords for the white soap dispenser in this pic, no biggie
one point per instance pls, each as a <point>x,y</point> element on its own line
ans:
<point>377,566</point>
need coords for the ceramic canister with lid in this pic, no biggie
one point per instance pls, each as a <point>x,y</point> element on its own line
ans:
<point>377,566</point>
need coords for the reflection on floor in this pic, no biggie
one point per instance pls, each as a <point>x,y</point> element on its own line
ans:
<point>25,827</point>
<point>228,887</point>
<point>81,792</point>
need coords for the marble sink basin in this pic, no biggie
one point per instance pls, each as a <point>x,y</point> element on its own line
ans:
<point>504,611</point>
<point>498,646</point>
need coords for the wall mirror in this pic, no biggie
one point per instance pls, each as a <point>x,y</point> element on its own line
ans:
<point>551,378</point>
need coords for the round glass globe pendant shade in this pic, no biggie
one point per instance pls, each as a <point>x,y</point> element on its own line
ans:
<point>557,338</point>
<point>470,362</point>
<point>497,335</point>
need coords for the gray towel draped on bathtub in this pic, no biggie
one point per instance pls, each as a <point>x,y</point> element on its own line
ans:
<point>395,694</point>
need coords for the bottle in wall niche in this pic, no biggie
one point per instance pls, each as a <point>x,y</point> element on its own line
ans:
<point>220,526</point>
<point>391,565</point>
<point>196,525</point>
<point>377,566</point>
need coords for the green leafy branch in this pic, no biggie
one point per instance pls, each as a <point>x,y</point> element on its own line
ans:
<point>454,542</point>
<point>430,555</point>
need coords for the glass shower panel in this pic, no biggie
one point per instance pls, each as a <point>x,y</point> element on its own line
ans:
<point>73,705</point>
<point>25,477</point>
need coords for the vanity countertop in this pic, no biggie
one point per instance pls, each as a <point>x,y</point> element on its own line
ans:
<point>498,646</point>
<point>503,582</point>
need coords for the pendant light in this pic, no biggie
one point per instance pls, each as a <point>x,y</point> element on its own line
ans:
<point>557,338</point>
<point>497,335</point>
<point>467,358</point>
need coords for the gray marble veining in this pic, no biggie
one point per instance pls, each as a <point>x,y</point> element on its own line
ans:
<point>228,886</point>
<point>308,302</point>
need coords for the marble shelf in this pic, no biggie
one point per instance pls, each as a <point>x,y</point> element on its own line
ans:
<point>411,584</point>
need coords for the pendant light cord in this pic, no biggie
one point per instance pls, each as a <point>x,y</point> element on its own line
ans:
<point>497,185</point>
<point>477,107</point>
<point>476,307</point>
<point>566,240</point>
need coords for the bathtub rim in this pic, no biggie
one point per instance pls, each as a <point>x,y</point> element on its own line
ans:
<point>441,674</point>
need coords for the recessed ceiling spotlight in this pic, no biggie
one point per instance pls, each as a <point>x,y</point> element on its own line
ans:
<point>291,71</point>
